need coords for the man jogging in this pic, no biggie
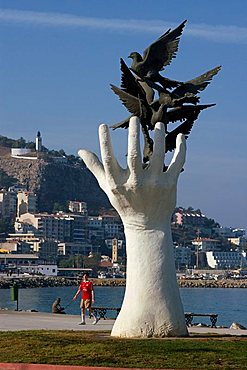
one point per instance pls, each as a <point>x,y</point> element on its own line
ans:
<point>87,299</point>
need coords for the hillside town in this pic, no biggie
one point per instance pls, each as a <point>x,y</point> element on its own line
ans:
<point>72,239</point>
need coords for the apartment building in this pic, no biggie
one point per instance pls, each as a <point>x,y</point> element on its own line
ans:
<point>15,260</point>
<point>226,260</point>
<point>206,244</point>
<point>182,256</point>
<point>15,246</point>
<point>113,227</point>
<point>60,227</point>
<point>26,202</point>
<point>96,228</point>
<point>105,227</point>
<point>8,203</point>
<point>74,249</point>
<point>29,238</point>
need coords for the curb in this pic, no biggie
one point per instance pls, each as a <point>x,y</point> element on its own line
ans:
<point>15,366</point>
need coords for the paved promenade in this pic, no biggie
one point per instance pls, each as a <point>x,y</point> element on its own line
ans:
<point>13,321</point>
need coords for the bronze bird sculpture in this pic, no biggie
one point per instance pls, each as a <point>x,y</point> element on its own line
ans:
<point>133,85</point>
<point>170,139</point>
<point>195,85</point>
<point>156,56</point>
<point>150,114</point>
<point>178,100</point>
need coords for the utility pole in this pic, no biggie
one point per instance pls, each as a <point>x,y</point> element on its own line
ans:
<point>197,248</point>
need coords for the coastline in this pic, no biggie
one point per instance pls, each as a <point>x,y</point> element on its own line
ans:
<point>45,281</point>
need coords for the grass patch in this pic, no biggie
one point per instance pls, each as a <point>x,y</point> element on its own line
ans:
<point>99,349</point>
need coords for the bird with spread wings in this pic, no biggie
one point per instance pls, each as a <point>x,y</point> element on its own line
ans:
<point>156,56</point>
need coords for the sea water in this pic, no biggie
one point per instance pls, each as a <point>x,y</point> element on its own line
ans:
<point>229,303</point>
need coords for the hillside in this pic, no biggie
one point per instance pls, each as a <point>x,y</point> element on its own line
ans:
<point>55,182</point>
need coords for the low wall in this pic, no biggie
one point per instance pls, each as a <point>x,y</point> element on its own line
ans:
<point>37,282</point>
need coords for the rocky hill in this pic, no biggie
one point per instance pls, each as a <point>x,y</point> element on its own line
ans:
<point>55,182</point>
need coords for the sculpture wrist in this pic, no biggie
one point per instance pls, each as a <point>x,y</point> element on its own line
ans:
<point>147,239</point>
<point>147,223</point>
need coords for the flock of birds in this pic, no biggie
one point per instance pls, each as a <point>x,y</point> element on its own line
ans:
<point>177,100</point>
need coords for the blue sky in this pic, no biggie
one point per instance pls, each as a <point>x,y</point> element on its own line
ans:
<point>59,57</point>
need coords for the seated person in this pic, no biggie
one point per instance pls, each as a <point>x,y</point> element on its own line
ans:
<point>56,308</point>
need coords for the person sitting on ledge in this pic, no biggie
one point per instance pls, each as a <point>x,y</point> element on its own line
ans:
<point>56,307</point>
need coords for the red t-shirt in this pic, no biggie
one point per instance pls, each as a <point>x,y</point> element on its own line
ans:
<point>86,287</point>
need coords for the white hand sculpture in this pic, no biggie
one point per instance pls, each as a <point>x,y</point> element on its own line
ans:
<point>145,199</point>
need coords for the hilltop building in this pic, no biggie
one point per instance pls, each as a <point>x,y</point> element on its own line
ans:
<point>229,232</point>
<point>238,242</point>
<point>78,207</point>
<point>27,153</point>
<point>38,142</point>
<point>183,217</point>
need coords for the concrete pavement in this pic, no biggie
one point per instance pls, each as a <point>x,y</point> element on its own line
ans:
<point>22,320</point>
<point>13,321</point>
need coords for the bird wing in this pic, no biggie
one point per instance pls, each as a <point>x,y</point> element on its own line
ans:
<point>185,112</point>
<point>197,84</point>
<point>184,128</point>
<point>122,124</point>
<point>131,85</point>
<point>161,51</point>
<point>131,102</point>
<point>149,92</point>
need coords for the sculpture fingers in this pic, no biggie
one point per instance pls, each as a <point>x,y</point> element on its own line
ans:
<point>93,164</point>
<point>157,158</point>
<point>178,159</point>
<point>134,157</point>
<point>110,164</point>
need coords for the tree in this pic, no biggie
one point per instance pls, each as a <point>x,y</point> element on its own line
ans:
<point>20,143</point>
<point>60,207</point>
<point>76,261</point>
<point>62,153</point>
<point>6,142</point>
<point>92,261</point>
<point>30,145</point>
